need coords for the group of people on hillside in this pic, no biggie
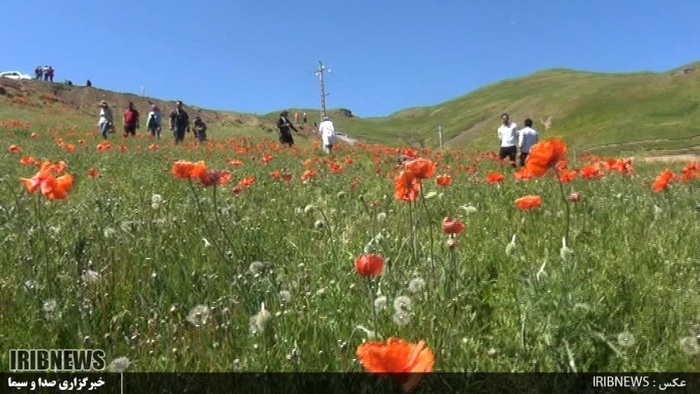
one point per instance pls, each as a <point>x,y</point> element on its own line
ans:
<point>513,138</point>
<point>46,72</point>
<point>179,122</point>
<point>326,129</point>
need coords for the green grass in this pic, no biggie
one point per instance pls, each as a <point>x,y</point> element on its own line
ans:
<point>291,246</point>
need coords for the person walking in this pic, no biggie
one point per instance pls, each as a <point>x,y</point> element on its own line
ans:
<point>105,122</point>
<point>200,129</point>
<point>46,73</point>
<point>154,121</point>
<point>179,122</point>
<point>328,136</point>
<point>508,134</point>
<point>283,124</point>
<point>303,119</point>
<point>131,120</point>
<point>38,73</point>
<point>296,117</point>
<point>528,137</point>
<point>51,73</point>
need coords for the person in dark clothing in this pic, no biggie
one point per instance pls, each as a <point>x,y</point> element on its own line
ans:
<point>283,124</point>
<point>200,129</point>
<point>179,122</point>
<point>131,120</point>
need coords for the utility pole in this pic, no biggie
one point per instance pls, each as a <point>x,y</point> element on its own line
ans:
<point>321,70</point>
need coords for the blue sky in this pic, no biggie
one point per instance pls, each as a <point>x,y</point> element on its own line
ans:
<point>384,55</point>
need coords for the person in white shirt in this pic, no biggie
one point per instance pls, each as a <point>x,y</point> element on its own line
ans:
<point>328,136</point>
<point>106,119</point>
<point>528,138</point>
<point>154,121</point>
<point>508,134</point>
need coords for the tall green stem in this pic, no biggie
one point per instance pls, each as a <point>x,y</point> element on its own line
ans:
<point>370,287</point>
<point>566,204</point>
<point>42,230</point>
<point>206,224</point>
<point>430,230</point>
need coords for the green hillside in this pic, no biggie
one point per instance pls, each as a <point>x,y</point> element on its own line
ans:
<point>595,112</point>
<point>603,113</point>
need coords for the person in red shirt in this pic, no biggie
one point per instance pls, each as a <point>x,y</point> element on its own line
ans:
<point>131,120</point>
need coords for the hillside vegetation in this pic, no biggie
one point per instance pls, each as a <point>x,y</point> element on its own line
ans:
<point>603,113</point>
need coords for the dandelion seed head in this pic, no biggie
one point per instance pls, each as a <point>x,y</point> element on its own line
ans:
<point>341,195</point>
<point>319,224</point>
<point>402,304</point>
<point>199,315</point>
<point>381,216</point>
<point>380,303</point>
<point>155,206</point>
<point>285,296</point>
<point>416,285</point>
<point>156,199</point>
<point>256,268</point>
<point>49,306</point>
<point>690,346</point>
<point>402,319</point>
<point>119,364</point>
<point>626,339</point>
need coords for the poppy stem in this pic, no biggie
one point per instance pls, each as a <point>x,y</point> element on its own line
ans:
<point>206,224</point>
<point>42,226</point>
<point>218,220</point>
<point>452,275</point>
<point>413,231</point>
<point>430,230</point>
<point>371,301</point>
<point>566,204</point>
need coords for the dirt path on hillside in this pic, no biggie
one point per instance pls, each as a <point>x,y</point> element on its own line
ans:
<point>346,138</point>
<point>671,159</point>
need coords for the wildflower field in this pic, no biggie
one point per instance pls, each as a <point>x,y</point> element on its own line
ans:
<point>242,255</point>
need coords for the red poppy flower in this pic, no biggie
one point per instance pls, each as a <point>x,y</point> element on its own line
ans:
<point>452,226</point>
<point>369,264</point>
<point>406,186</point>
<point>420,168</point>
<point>545,155</point>
<point>443,180</point>
<point>528,202</point>
<point>407,361</point>
<point>495,177</point>
<point>662,180</point>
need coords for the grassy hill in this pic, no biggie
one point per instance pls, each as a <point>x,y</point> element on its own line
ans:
<point>653,113</point>
<point>605,113</point>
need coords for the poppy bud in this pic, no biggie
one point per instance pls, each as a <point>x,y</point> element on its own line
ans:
<point>575,197</point>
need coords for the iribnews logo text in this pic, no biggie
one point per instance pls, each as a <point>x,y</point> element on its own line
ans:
<point>57,360</point>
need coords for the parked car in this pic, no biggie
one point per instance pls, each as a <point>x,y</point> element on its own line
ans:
<point>14,75</point>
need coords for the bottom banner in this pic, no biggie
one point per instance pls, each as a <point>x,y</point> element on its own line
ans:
<point>356,383</point>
